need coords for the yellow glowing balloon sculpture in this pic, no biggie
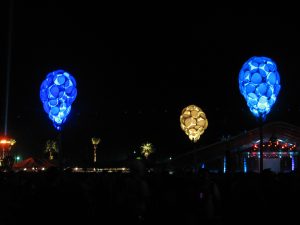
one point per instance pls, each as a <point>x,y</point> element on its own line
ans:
<point>193,122</point>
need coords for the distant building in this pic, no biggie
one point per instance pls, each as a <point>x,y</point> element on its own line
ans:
<point>281,146</point>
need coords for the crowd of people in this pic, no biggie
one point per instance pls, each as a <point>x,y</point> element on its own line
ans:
<point>142,197</point>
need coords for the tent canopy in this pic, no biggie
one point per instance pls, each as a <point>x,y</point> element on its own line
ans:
<point>33,162</point>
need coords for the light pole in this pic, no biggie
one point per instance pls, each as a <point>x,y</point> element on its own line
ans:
<point>57,93</point>
<point>193,122</point>
<point>259,83</point>
<point>95,142</point>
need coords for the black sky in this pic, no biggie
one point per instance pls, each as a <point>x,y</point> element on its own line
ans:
<point>137,69</point>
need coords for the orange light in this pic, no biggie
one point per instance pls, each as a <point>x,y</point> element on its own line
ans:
<point>6,143</point>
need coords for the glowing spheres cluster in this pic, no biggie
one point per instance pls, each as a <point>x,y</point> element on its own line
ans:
<point>193,122</point>
<point>57,93</point>
<point>259,83</point>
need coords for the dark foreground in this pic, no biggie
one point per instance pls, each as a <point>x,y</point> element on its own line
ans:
<point>55,197</point>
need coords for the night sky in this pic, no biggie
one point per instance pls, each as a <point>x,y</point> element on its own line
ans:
<point>136,70</point>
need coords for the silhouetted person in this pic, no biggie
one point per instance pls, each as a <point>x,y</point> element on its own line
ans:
<point>209,197</point>
<point>136,192</point>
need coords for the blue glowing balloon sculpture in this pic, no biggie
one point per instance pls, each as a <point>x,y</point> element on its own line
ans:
<point>259,83</point>
<point>58,92</point>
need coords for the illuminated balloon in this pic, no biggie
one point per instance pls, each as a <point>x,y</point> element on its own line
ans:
<point>57,93</point>
<point>259,83</point>
<point>193,122</point>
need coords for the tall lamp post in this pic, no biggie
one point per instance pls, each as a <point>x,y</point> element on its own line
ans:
<point>259,83</point>
<point>193,122</point>
<point>57,93</point>
<point>95,142</point>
